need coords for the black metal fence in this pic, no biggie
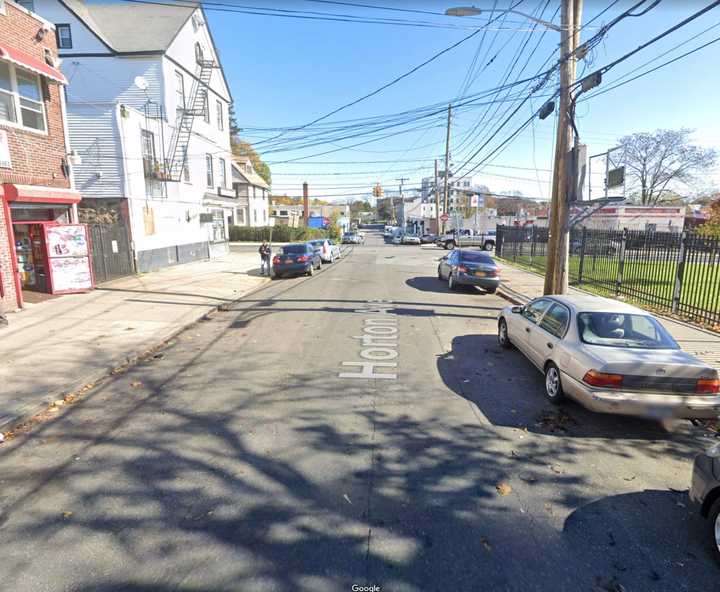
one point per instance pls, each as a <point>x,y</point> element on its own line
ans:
<point>675,272</point>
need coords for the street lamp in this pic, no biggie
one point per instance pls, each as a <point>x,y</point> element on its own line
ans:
<point>473,11</point>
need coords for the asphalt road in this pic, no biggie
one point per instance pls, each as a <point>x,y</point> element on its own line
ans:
<point>237,458</point>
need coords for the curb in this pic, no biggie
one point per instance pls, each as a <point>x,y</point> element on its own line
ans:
<point>127,360</point>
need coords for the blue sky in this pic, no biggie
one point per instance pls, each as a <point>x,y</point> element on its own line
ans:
<point>287,72</point>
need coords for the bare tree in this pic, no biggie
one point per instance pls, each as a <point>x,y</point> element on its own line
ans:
<point>657,162</point>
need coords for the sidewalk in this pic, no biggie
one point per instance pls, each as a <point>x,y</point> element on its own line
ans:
<point>519,286</point>
<point>61,344</point>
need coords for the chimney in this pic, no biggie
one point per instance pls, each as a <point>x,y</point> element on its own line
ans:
<point>306,204</point>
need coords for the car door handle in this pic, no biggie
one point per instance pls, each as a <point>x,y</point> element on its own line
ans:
<point>550,345</point>
<point>527,329</point>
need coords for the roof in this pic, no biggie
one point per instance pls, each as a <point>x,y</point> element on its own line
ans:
<point>250,177</point>
<point>590,303</point>
<point>133,28</point>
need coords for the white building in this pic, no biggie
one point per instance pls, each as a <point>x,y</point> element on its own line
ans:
<point>457,189</point>
<point>658,218</point>
<point>148,115</point>
<point>253,193</point>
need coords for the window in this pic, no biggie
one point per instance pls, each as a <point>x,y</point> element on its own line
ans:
<point>26,4</point>
<point>255,216</point>
<point>223,173</point>
<point>198,53</point>
<point>148,153</point>
<point>556,320</point>
<point>264,215</point>
<point>209,164</point>
<point>206,107</point>
<point>220,118</point>
<point>241,216</point>
<point>20,98</point>
<point>64,36</point>
<point>179,94</point>
<point>534,311</point>
<point>186,165</point>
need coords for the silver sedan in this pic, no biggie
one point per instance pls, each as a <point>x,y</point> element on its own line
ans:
<point>610,357</point>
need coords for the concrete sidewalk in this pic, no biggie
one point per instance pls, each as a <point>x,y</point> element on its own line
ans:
<point>59,345</point>
<point>520,286</point>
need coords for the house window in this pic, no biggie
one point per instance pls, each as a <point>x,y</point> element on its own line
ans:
<point>206,107</point>
<point>20,98</point>
<point>198,53</point>
<point>148,153</point>
<point>209,164</point>
<point>220,120</point>
<point>223,174</point>
<point>64,36</point>
<point>255,216</point>
<point>179,94</point>
<point>26,4</point>
<point>241,216</point>
<point>186,165</point>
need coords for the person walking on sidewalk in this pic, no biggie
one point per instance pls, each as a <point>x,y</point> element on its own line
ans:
<point>265,254</point>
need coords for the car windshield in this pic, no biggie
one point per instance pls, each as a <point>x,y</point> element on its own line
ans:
<point>624,330</point>
<point>317,242</point>
<point>294,249</point>
<point>472,257</point>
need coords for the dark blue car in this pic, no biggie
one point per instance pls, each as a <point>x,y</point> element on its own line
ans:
<point>296,259</point>
<point>469,268</point>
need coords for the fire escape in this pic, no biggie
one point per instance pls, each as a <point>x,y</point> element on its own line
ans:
<point>176,156</point>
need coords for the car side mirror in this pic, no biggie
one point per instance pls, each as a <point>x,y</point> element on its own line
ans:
<point>517,309</point>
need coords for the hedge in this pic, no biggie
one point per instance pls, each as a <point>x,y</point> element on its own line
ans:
<point>278,234</point>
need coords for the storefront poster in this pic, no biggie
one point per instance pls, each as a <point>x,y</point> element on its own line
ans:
<point>70,274</point>
<point>68,240</point>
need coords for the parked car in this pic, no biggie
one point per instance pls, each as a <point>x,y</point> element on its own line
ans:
<point>397,239</point>
<point>469,268</point>
<point>327,250</point>
<point>705,491</point>
<point>610,357</point>
<point>295,259</point>
<point>467,237</point>
<point>410,239</point>
<point>350,238</point>
<point>428,238</point>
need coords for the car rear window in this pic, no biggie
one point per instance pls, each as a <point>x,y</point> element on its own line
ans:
<point>473,257</point>
<point>295,249</point>
<point>624,330</point>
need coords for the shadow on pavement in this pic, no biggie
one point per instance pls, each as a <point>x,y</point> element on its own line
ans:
<point>434,284</point>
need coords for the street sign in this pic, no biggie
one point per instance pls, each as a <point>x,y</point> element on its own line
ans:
<point>444,217</point>
<point>616,177</point>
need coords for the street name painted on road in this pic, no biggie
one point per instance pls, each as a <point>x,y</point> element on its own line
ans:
<point>379,342</point>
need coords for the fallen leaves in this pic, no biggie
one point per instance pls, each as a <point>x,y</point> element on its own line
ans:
<point>67,515</point>
<point>503,488</point>
<point>136,384</point>
<point>485,543</point>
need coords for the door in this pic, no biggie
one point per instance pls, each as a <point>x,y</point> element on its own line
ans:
<point>446,264</point>
<point>545,336</point>
<point>522,324</point>
<point>111,257</point>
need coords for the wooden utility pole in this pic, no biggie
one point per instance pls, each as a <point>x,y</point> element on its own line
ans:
<point>437,200</point>
<point>556,274</point>
<point>447,165</point>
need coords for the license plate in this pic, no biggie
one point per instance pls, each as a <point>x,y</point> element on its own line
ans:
<point>288,261</point>
<point>480,273</point>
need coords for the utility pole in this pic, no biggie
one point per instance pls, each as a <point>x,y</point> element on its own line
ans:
<point>556,274</point>
<point>402,201</point>
<point>447,164</point>
<point>437,200</point>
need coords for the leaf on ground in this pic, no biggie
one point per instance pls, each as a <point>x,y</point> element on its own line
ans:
<point>503,489</point>
<point>67,515</point>
<point>136,384</point>
<point>485,543</point>
<point>548,508</point>
<point>556,469</point>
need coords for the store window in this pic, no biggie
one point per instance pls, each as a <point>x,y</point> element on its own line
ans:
<point>64,36</point>
<point>209,165</point>
<point>20,98</point>
<point>223,173</point>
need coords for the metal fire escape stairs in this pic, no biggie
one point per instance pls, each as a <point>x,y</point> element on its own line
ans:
<point>175,160</point>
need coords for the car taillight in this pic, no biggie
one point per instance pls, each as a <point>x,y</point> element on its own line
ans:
<point>303,259</point>
<point>276,260</point>
<point>603,380</point>
<point>462,269</point>
<point>709,386</point>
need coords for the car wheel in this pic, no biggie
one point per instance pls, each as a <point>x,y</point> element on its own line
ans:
<point>449,245</point>
<point>714,529</point>
<point>553,385</point>
<point>332,258</point>
<point>503,338</point>
<point>488,246</point>
<point>451,282</point>
<point>311,270</point>
<point>440,277</point>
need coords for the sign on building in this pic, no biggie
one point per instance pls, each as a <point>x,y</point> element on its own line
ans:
<point>5,161</point>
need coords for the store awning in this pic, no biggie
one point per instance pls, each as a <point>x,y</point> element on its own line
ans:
<point>40,194</point>
<point>31,63</point>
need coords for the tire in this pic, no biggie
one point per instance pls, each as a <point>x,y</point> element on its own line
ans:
<point>449,245</point>
<point>332,258</point>
<point>714,530</point>
<point>311,271</point>
<point>553,384</point>
<point>503,337</point>
<point>451,282</point>
<point>440,277</point>
<point>488,246</point>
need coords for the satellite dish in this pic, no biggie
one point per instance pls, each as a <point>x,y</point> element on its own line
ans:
<point>141,83</point>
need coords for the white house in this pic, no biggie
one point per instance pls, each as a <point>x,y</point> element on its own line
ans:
<point>148,114</point>
<point>253,193</point>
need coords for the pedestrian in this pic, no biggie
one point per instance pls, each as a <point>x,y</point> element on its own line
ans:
<point>265,253</point>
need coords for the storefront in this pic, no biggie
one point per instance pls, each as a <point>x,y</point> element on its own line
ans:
<point>49,253</point>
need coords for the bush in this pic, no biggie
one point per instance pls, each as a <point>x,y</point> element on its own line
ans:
<point>278,234</point>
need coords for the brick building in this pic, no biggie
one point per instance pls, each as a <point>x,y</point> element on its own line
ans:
<point>35,175</point>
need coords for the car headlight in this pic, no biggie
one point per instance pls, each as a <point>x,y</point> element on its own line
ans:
<point>714,451</point>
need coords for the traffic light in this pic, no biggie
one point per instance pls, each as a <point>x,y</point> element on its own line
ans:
<point>378,191</point>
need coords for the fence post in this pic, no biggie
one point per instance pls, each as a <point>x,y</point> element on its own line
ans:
<point>515,244</point>
<point>499,240</point>
<point>532,246</point>
<point>679,272</point>
<point>621,262</point>
<point>582,255</point>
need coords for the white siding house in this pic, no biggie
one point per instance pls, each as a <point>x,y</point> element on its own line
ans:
<point>133,69</point>
<point>253,193</point>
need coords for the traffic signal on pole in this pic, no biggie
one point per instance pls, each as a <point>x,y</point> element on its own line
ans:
<point>378,191</point>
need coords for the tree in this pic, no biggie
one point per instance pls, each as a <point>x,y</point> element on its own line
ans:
<point>242,148</point>
<point>655,163</point>
<point>712,226</point>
